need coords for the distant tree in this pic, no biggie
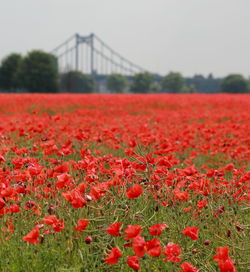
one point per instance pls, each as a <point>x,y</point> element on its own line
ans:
<point>77,82</point>
<point>234,83</point>
<point>203,84</point>
<point>173,82</point>
<point>189,89</point>
<point>155,87</point>
<point>117,83</point>
<point>8,72</point>
<point>142,83</point>
<point>38,72</point>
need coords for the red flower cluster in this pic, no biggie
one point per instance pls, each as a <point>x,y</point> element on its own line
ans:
<point>225,263</point>
<point>139,168</point>
<point>172,251</point>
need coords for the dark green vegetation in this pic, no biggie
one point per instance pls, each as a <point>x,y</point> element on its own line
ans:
<point>38,72</point>
<point>142,83</point>
<point>117,83</point>
<point>75,81</point>
<point>235,84</point>
<point>8,72</point>
<point>173,82</point>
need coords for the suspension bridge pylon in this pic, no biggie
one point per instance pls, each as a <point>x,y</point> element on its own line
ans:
<point>91,55</point>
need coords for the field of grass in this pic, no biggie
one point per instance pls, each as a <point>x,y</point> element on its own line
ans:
<point>124,183</point>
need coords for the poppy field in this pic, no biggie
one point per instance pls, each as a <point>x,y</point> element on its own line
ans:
<point>124,183</point>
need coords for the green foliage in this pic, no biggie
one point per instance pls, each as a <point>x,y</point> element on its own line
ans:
<point>117,83</point>
<point>234,83</point>
<point>39,72</point>
<point>155,87</point>
<point>173,82</point>
<point>77,82</point>
<point>142,83</point>
<point>203,84</point>
<point>8,72</point>
<point>189,89</point>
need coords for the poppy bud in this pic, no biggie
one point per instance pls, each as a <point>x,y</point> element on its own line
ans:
<point>88,240</point>
<point>29,204</point>
<point>41,239</point>
<point>157,187</point>
<point>156,208</point>
<point>194,251</point>
<point>40,226</point>
<point>51,209</point>
<point>207,242</point>
<point>221,209</point>
<point>138,216</point>
<point>88,198</point>
<point>239,228</point>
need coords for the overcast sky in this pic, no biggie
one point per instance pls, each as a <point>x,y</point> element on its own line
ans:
<point>190,36</point>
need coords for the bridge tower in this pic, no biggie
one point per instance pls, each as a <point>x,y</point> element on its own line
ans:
<point>91,55</point>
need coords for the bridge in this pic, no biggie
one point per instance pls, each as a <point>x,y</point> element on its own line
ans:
<point>91,55</point>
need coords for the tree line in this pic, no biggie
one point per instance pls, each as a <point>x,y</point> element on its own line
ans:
<point>38,72</point>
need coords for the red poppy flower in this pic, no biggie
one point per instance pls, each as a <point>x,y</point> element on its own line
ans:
<point>11,227</point>
<point>14,208</point>
<point>154,247</point>
<point>81,224</point>
<point>157,229</point>
<point>81,187</point>
<point>134,191</point>
<point>187,267</point>
<point>113,256</point>
<point>50,219</point>
<point>202,204</point>
<point>58,226</point>
<point>187,209</point>
<point>222,254</point>
<point>114,229</point>
<point>75,198</point>
<point>172,251</point>
<point>32,237</point>
<point>63,180</point>
<point>132,231</point>
<point>181,195</point>
<point>133,262</point>
<point>139,246</point>
<point>226,264</point>
<point>2,159</point>
<point>229,166</point>
<point>191,232</point>
<point>2,203</point>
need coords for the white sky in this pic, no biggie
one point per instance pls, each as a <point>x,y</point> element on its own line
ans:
<point>190,36</point>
